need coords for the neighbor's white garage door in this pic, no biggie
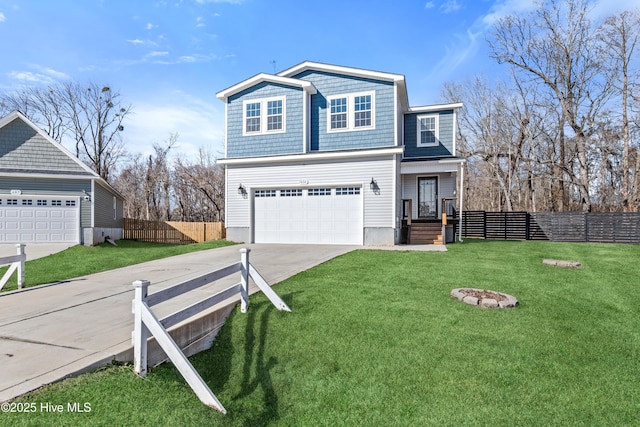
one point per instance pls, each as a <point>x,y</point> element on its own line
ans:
<point>39,219</point>
<point>324,215</point>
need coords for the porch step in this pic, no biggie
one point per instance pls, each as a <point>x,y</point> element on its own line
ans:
<point>428,233</point>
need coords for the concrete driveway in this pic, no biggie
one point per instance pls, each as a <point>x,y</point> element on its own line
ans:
<point>51,332</point>
<point>34,250</point>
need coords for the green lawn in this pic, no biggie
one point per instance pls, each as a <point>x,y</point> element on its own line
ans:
<point>82,260</point>
<point>374,339</point>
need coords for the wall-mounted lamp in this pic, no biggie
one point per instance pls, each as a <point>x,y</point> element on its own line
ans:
<point>373,184</point>
<point>242,191</point>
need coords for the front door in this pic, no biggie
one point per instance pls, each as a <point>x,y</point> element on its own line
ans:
<point>428,197</point>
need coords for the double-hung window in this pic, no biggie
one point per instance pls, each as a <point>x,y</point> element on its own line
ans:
<point>351,112</point>
<point>428,131</point>
<point>261,116</point>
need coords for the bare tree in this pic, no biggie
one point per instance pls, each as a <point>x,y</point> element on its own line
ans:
<point>553,46</point>
<point>199,188</point>
<point>41,105</point>
<point>619,36</point>
<point>95,117</point>
<point>92,115</point>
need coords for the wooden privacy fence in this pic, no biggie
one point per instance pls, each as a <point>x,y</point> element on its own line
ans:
<point>172,231</point>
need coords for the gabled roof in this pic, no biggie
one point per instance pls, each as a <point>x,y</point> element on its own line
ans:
<point>339,69</point>
<point>286,77</point>
<point>79,169</point>
<point>397,79</point>
<point>308,87</point>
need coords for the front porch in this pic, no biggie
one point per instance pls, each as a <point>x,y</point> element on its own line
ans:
<point>430,190</point>
<point>429,231</point>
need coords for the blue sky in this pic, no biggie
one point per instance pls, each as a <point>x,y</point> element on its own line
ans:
<point>169,58</point>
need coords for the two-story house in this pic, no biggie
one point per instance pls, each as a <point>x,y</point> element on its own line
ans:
<point>330,154</point>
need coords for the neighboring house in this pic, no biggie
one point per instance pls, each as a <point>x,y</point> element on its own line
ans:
<point>330,154</point>
<point>47,194</point>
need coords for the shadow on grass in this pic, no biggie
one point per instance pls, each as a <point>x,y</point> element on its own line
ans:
<point>254,356</point>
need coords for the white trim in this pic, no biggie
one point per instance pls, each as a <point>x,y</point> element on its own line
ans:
<point>455,131</point>
<point>337,69</point>
<point>395,115</point>
<point>431,166</point>
<point>226,127</point>
<point>436,130</point>
<point>224,95</point>
<point>329,155</point>
<point>351,113</point>
<point>306,131</point>
<point>93,205</point>
<point>436,107</point>
<point>394,195</point>
<point>264,115</point>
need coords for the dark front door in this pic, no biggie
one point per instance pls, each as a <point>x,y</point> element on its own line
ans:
<point>428,197</point>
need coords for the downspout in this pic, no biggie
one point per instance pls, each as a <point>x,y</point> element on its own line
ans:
<point>460,203</point>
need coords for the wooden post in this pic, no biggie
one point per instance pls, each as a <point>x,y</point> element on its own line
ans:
<point>244,280</point>
<point>20,250</point>
<point>140,331</point>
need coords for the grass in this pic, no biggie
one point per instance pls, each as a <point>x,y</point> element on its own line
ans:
<point>82,260</point>
<point>374,339</point>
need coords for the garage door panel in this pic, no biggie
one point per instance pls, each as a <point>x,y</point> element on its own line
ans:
<point>320,218</point>
<point>31,221</point>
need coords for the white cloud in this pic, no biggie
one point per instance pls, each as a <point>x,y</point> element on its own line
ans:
<point>198,125</point>
<point>156,53</point>
<point>602,9</point>
<point>200,22</point>
<point>450,6</point>
<point>2,17</point>
<point>41,75</point>
<point>150,26</point>
<point>135,41</point>
<point>429,5</point>
<point>503,8</point>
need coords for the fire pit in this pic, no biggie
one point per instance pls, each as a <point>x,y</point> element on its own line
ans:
<point>484,298</point>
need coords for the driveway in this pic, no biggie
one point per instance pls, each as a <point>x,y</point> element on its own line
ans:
<point>34,250</point>
<point>50,332</point>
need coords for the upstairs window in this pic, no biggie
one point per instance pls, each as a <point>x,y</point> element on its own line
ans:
<point>252,117</point>
<point>428,131</point>
<point>362,107</point>
<point>338,113</point>
<point>261,116</point>
<point>351,112</point>
<point>274,115</point>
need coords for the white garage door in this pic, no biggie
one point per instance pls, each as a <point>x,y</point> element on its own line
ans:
<point>39,219</point>
<point>324,215</point>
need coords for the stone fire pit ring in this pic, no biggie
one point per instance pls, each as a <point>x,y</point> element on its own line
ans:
<point>484,298</point>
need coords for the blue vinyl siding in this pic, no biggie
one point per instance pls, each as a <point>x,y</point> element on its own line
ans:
<point>329,84</point>
<point>289,142</point>
<point>446,135</point>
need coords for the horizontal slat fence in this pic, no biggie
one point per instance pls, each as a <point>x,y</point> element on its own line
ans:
<point>501,225</point>
<point>604,227</point>
<point>174,232</point>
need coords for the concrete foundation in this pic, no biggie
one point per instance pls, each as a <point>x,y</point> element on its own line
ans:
<point>96,235</point>
<point>239,234</point>
<point>379,236</point>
